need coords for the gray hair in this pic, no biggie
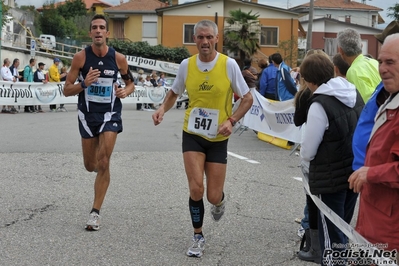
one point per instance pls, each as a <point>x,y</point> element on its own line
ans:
<point>206,24</point>
<point>392,37</point>
<point>350,42</point>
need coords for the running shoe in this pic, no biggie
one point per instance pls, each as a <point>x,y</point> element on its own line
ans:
<point>218,211</point>
<point>93,224</point>
<point>197,246</point>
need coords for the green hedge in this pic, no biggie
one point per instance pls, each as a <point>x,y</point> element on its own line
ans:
<point>143,49</point>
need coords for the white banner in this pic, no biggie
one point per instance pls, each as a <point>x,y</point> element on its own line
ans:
<point>152,64</point>
<point>35,93</point>
<point>272,118</point>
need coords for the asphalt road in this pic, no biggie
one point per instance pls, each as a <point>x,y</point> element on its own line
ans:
<point>46,196</point>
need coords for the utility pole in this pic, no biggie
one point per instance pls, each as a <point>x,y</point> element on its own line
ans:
<point>310,26</point>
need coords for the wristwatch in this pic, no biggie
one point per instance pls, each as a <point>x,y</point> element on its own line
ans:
<point>232,121</point>
<point>83,85</point>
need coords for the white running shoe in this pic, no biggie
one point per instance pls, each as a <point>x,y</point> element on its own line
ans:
<point>93,224</point>
<point>197,246</point>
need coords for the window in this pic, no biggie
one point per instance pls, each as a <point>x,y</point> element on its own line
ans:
<point>149,29</point>
<point>188,33</point>
<point>373,20</point>
<point>268,36</point>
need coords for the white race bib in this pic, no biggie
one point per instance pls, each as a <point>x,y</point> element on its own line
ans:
<point>204,121</point>
<point>100,91</point>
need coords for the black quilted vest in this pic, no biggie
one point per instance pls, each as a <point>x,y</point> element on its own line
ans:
<point>330,169</point>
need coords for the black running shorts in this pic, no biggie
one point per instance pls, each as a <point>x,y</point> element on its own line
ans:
<point>215,152</point>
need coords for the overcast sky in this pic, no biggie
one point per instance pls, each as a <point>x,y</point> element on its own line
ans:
<point>384,4</point>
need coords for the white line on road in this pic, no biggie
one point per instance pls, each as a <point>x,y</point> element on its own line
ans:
<point>242,157</point>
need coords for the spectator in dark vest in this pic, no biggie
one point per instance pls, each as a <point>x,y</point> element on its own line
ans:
<point>326,148</point>
<point>39,76</point>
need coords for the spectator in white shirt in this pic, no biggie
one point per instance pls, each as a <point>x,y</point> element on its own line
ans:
<point>7,76</point>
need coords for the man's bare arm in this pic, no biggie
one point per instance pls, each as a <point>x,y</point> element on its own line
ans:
<point>71,88</point>
<point>245,104</point>
<point>168,103</point>
<point>126,76</point>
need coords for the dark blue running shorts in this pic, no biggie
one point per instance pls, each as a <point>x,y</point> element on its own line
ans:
<point>93,124</point>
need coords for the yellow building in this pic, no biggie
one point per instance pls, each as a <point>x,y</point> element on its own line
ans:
<point>172,25</point>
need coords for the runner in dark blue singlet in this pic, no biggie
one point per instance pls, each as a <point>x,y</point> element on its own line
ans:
<point>100,108</point>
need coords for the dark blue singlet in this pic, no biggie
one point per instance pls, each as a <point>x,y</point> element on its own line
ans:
<point>100,97</point>
<point>99,109</point>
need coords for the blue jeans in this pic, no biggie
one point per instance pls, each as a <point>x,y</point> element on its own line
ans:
<point>343,204</point>
<point>305,219</point>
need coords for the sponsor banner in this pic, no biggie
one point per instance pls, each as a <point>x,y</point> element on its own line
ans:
<point>272,118</point>
<point>152,64</point>
<point>32,93</point>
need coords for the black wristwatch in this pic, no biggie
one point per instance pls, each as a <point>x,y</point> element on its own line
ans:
<point>83,85</point>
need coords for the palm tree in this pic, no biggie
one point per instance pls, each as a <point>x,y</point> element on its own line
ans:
<point>241,35</point>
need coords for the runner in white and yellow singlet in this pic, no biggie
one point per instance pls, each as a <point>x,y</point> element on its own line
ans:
<point>210,78</point>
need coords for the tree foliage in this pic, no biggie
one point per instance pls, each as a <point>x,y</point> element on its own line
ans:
<point>241,35</point>
<point>5,9</point>
<point>72,8</point>
<point>61,21</point>
<point>289,51</point>
<point>143,49</point>
<point>393,11</point>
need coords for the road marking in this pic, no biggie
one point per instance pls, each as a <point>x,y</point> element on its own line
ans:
<point>242,157</point>
<point>297,178</point>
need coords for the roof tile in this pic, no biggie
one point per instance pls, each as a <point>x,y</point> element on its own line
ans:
<point>139,5</point>
<point>341,4</point>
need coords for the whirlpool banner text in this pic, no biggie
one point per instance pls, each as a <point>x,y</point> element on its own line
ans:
<point>29,93</point>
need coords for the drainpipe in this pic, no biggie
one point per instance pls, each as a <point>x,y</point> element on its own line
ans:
<point>292,43</point>
<point>310,26</point>
<point>216,21</point>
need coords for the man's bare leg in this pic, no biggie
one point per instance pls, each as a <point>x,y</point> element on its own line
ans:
<point>97,154</point>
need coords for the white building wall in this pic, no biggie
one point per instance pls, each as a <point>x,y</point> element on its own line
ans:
<point>356,17</point>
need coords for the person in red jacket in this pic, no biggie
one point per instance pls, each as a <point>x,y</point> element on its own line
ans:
<point>378,180</point>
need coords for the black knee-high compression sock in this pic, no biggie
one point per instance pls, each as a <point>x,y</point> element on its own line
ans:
<point>197,212</point>
<point>95,210</point>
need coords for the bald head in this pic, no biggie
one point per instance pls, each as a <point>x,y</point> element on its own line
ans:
<point>388,59</point>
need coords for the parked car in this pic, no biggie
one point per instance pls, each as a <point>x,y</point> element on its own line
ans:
<point>47,42</point>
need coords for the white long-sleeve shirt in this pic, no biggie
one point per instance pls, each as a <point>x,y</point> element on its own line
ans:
<point>6,74</point>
